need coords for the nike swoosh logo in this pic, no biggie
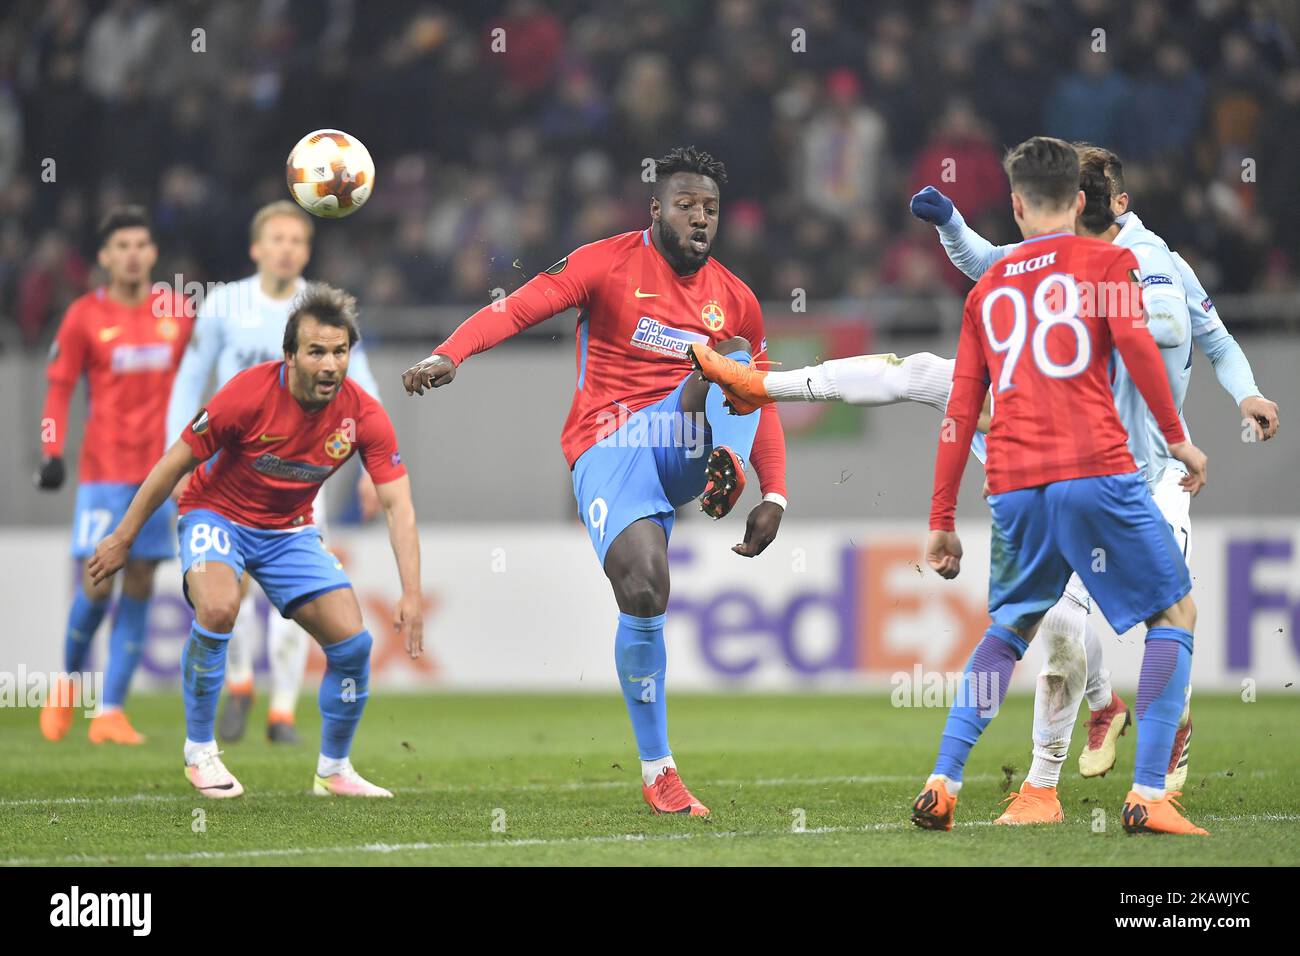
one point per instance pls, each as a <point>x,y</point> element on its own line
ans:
<point>636,680</point>
<point>107,335</point>
<point>265,437</point>
<point>645,295</point>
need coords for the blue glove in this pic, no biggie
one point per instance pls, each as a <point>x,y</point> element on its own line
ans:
<point>932,206</point>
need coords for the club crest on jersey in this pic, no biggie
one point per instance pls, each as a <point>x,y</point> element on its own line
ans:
<point>713,316</point>
<point>168,328</point>
<point>337,445</point>
<point>654,335</point>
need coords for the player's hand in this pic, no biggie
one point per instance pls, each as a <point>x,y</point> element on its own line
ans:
<point>1262,415</point>
<point>760,529</point>
<point>49,477</point>
<point>434,372</point>
<point>408,621</point>
<point>367,496</point>
<point>110,554</point>
<point>1195,462</point>
<point>932,206</point>
<point>943,553</point>
<point>182,485</point>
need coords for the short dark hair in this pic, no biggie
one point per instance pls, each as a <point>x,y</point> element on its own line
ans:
<point>1044,170</point>
<point>688,159</point>
<point>1111,165</point>
<point>1098,188</point>
<point>123,217</point>
<point>328,306</point>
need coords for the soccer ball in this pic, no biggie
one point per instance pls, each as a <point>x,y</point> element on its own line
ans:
<point>330,173</point>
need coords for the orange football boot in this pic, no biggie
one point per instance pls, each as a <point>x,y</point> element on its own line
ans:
<point>724,481</point>
<point>1105,727</point>
<point>1157,816</point>
<point>741,384</point>
<point>1032,805</point>
<point>669,795</point>
<point>56,715</point>
<point>112,727</point>
<point>935,807</point>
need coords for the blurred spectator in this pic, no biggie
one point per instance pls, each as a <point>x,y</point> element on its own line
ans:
<point>843,151</point>
<point>1092,103</point>
<point>961,163</point>
<point>1168,104</point>
<point>118,46</point>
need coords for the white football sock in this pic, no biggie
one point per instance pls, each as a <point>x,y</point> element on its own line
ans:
<point>287,645</point>
<point>929,379</point>
<point>1059,689</point>
<point>869,380</point>
<point>651,769</point>
<point>1149,793</point>
<point>953,786</point>
<point>329,766</point>
<point>1098,689</point>
<point>243,642</point>
<point>193,750</point>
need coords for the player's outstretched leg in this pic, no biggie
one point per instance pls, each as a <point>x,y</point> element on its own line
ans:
<point>239,669</point>
<point>731,436</point>
<point>1161,699</point>
<point>868,380</point>
<point>979,695</point>
<point>125,648</point>
<point>637,567</point>
<point>89,605</point>
<point>334,619</point>
<point>1057,695</point>
<point>287,645</point>
<point>1108,716</point>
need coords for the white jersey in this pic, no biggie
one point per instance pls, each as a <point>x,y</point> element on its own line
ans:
<point>239,326</point>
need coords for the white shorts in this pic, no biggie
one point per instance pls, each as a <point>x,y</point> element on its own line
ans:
<point>1176,505</point>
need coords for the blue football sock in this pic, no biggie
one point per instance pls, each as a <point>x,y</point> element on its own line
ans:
<point>83,621</point>
<point>981,692</point>
<point>125,648</point>
<point>1162,693</point>
<point>203,670</point>
<point>642,663</point>
<point>735,431</point>
<point>343,693</point>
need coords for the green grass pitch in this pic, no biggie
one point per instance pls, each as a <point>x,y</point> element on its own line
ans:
<point>550,779</point>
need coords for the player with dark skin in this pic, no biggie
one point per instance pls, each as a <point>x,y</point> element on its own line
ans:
<point>684,216</point>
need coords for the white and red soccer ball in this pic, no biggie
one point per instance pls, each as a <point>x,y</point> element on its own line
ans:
<point>330,173</point>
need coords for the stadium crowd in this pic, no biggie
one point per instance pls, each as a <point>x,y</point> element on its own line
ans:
<point>492,164</point>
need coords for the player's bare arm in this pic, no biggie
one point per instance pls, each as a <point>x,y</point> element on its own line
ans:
<point>399,512</point>
<point>112,551</point>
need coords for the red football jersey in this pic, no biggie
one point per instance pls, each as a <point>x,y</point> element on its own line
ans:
<point>129,355</point>
<point>265,456</point>
<point>1040,326</point>
<point>638,316</point>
